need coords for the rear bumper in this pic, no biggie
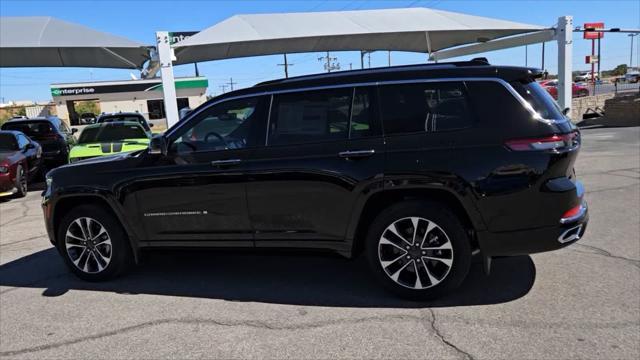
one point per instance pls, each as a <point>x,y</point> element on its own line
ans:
<point>537,240</point>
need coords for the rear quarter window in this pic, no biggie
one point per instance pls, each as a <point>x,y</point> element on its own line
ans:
<point>539,99</point>
<point>425,107</point>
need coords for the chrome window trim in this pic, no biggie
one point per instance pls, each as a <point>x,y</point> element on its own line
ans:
<point>266,136</point>
<point>504,83</point>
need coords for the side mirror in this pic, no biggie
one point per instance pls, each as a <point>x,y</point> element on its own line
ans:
<point>158,145</point>
<point>74,130</point>
<point>566,111</point>
<point>30,146</point>
<point>150,125</point>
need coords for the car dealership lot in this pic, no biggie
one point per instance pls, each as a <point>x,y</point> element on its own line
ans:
<point>579,302</point>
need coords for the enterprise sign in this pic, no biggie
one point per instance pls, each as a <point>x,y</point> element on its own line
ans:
<point>126,87</point>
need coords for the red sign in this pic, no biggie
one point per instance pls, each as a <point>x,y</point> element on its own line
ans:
<point>590,59</point>
<point>593,34</point>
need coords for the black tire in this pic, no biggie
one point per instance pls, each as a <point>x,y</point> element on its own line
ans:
<point>119,249</point>
<point>445,222</point>
<point>21,182</point>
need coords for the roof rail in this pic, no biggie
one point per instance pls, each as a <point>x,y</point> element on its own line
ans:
<point>480,61</point>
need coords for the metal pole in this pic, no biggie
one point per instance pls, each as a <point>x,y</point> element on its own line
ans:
<point>197,72</point>
<point>598,56</point>
<point>564,38</point>
<point>389,57</point>
<point>361,59</point>
<point>542,56</point>
<point>631,54</point>
<point>526,56</point>
<point>165,55</point>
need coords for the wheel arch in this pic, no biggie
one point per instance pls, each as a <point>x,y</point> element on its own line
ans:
<point>383,199</point>
<point>65,204</point>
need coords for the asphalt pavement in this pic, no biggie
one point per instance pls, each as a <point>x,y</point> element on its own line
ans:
<point>579,302</point>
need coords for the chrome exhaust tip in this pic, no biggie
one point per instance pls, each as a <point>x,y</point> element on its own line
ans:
<point>571,234</point>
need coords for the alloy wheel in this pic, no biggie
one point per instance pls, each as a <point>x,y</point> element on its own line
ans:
<point>415,253</point>
<point>22,181</point>
<point>88,245</point>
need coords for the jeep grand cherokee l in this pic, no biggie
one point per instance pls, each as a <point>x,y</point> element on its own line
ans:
<point>416,166</point>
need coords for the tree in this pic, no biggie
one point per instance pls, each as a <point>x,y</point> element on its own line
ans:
<point>620,69</point>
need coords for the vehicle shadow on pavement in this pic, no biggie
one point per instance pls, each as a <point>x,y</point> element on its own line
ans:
<point>282,278</point>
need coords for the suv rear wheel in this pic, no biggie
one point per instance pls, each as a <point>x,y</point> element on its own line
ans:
<point>418,249</point>
<point>93,243</point>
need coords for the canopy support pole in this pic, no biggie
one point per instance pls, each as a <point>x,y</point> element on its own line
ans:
<point>564,37</point>
<point>165,55</point>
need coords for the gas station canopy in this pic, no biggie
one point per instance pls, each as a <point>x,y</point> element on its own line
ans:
<point>46,41</point>
<point>410,29</point>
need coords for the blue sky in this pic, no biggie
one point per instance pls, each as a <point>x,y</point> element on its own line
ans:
<point>138,20</point>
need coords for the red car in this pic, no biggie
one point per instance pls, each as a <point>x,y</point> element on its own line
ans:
<point>20,160</point>
<point>552,87</point>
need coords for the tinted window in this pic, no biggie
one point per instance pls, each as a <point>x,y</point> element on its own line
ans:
<point>423,107</point>
<point>310,116</point>
<point>8,142</point>
<point>361,114</point>
<point>223,126</point>
<point>112,132</point>
<point>540,100</point>
<point>134,118</point>
<point>31,128</point>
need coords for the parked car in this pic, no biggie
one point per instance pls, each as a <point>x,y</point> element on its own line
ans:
<point>126,116</point>
<point>87,118</point>
<point>109,138</point>
<point>418,167</point>
<point>53,134</point>
<point>20,160</point>
<point>552,87</point>
<point>585,76</point>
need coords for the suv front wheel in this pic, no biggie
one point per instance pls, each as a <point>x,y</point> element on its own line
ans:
<point>93,243</point>
<point>418,249</point>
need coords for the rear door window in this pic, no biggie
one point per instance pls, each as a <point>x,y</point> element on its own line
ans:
<point>424,107</point>
<point>310,116</point>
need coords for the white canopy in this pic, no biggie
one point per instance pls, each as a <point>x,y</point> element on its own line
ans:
<point>46,41</point>
<point>412,29</point>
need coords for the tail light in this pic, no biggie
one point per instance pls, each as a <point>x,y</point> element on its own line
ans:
<point>553,142</point>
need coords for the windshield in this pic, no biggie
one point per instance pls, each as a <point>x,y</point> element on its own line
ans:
<point>8,142</point>
<point>31,128</point>
<point>540,100</point>
<point>112,132</point>
<point>129,118</point>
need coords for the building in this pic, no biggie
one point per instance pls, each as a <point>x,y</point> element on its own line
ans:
<point>143,96</point>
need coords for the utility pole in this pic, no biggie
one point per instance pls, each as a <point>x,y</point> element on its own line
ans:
<point>631,54</point>
<point>362,54</point>
<point>224,88</point>
<point>389,57</point>
<point>286,66</point>
<point>526,56</point>
<point>350,66</point>
<point>231,83</point>
<point>331,63</point>
<point>369,59</point>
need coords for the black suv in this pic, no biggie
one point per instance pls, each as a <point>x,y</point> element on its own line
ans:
<point>418,166</point>
<point>53,134</point>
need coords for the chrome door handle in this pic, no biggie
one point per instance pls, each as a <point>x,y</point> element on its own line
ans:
<point>356,154</point>
<point>226,162</point>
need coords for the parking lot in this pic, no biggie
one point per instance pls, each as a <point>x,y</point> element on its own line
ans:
<point>579,302</point>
